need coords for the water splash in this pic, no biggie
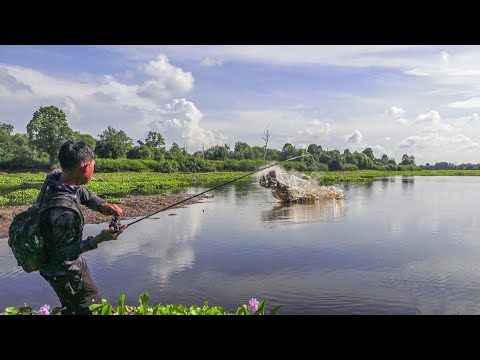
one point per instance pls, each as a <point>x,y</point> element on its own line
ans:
<point>288,187</point>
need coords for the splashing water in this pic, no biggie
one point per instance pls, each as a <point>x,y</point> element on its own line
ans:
<point>290,187</point>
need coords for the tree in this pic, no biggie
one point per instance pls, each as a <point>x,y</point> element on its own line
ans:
<point>241,147</point>
<point>86,138</point>
<point>6,140</point>
<point>384,159</point>
<point>154,140</point>
<point>312,149</point>
<point>369,153</point>
<point>265,137</point>
<point>47,130</point>
<point>407,160</point>
<point>289,151</point>
<point>113,144</point>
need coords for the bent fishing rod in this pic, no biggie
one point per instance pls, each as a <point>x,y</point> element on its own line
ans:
<point>116,224</point>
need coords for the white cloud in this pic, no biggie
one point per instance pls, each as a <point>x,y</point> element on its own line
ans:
<point>430,118</point>
<point>71,110</point>
<point>167,80</point>
<point>467,104</point>
<point>378,151</point>
<point>179,122</point>
<point>395,112</point>
<point>10,84</point>
<point>355,138</point>
<point>434,147</point>
<point>209,61</point>
<point>315,130</point>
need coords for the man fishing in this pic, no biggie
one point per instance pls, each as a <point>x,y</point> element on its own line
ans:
<point>62,228</point>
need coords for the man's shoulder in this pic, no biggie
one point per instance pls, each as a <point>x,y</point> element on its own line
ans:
<point>62,206</point>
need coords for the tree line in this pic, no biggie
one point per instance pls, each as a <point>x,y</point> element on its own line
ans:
<point>49,128</point>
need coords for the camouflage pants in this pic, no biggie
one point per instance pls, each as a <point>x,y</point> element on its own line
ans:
<point>76,291</point>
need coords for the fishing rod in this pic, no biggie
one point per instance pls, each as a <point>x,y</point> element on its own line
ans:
<point>115,223</point>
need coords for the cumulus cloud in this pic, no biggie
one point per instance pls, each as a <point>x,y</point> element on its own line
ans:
<point>355,138</point>
<point>432,117</point>
<point>396,113</point>
<point>180,120</point>
<point>432,123</point>
<point>11,84</point>
<point>71,110</point>
<point>314,130</point>
<point>378,150</point>
<point>166,79</point>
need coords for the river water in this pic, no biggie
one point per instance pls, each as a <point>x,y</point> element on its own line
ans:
<point>402,245</point>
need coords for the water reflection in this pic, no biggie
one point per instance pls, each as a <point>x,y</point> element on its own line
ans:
<point>312,211</point>
<point>159,247</point>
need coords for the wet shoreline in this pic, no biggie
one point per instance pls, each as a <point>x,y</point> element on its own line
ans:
<point>133,206</point>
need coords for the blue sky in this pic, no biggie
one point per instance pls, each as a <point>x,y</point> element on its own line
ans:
<point>397,99</point>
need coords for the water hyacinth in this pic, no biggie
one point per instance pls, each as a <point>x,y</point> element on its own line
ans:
<point>44,310</point>
<point>253,305</point>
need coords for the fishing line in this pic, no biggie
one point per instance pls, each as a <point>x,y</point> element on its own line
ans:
<point>115,221</point>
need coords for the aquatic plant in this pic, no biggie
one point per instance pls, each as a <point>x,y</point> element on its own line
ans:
<point>255,307</point>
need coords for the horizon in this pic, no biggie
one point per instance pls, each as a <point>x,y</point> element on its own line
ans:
<point>395,99</point>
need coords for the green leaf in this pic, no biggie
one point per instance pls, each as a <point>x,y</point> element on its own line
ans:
<point>107,310</point>
<point>94,307</point>
<point>27,309</point>
<point>156,310</point>
<point>120,310</point>
<point>56,310</point>
<point>12,310</point>
<point>261,307</point>
<point>143,299</point>
<point>121,301</point>
<point>275,309</point>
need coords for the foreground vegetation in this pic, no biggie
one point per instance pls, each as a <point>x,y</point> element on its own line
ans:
<point>254,307</point>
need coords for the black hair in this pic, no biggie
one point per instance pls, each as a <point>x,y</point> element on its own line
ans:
<point>73,152</point>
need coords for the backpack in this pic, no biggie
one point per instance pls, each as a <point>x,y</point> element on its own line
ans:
<point>24,235</point>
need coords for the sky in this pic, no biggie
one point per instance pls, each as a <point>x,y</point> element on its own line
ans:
<point>396,99</point>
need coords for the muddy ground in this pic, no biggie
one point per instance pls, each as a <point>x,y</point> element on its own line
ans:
<point>133,206</point>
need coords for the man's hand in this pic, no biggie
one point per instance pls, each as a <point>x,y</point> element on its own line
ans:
<point>109,234</point>
<point>110,209</point>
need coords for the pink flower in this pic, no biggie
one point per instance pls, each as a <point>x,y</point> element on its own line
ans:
<point>253,305</point>
<point>44,310</point>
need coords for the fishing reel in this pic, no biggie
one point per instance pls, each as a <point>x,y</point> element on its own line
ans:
<point>115,223</point>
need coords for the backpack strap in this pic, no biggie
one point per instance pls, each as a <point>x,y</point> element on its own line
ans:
<point>63,202</point>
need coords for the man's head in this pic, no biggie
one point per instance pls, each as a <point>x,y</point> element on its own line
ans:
<point>77,159</point>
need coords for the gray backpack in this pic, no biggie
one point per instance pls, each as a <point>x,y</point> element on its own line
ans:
<point>24,235</point>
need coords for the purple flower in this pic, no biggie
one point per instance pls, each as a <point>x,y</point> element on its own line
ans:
<point>44,310</point>
<point>253,305</point>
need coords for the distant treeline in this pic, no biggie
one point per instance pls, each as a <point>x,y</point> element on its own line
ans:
<point>37,150</point>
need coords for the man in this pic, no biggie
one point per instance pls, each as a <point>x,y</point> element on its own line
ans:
<point>62,228</point>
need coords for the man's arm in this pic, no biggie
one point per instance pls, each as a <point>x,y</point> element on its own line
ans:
<point>96,203</point>
<point>90,200</point>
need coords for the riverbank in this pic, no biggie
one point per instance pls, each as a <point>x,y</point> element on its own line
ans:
<point>133,206</point>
